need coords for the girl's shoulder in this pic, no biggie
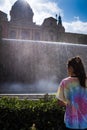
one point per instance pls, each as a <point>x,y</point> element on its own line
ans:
<point>65,80</point>
<point>70,79</point>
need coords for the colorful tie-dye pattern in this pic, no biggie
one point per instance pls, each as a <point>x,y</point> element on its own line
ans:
<point>75,96</point>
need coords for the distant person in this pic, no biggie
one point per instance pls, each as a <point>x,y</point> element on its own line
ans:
<point>72,91</point>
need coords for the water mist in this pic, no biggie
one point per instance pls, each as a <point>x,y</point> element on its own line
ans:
<point>35,66</point>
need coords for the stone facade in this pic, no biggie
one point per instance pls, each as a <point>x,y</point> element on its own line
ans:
<point>21,26</point>
<point>3,25</point>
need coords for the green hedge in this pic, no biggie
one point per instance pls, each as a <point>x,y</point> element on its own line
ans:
<point>16,114</point>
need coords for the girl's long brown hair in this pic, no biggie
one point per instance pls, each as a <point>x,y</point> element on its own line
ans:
<point>79,70</point>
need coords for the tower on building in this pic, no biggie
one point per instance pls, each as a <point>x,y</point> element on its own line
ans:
<point>60,26</point>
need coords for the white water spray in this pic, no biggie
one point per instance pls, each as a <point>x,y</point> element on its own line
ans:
<point>28,66</point>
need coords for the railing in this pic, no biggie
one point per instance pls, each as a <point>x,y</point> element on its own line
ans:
<point>29,96</point>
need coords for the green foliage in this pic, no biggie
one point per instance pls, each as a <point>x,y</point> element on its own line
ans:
<point>16,114</point>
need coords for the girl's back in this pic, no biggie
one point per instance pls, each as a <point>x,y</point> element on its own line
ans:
<point>76,98</point>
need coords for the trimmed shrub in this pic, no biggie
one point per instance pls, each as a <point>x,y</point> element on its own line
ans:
<point>43,114</point>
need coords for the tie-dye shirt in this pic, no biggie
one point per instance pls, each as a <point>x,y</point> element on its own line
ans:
<point>75,96</point>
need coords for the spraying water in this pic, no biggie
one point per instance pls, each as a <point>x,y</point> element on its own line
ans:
<point>35,66</point>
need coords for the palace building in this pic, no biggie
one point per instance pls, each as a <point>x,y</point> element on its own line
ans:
<point>21,26</point>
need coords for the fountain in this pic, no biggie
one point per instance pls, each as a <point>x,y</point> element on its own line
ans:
<point>36,67</point>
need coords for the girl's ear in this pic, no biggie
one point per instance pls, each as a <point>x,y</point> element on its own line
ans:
<point>70,70</point>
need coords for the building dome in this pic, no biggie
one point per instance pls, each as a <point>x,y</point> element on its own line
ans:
<point>21,11</point>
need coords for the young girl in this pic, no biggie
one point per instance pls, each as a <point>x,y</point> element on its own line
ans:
<point>73,92</point>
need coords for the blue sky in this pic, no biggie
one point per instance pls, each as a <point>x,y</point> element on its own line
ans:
<point>73,12</point>
<point>73,8</point>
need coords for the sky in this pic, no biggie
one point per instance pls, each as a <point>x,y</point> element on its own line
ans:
<point>73,12</point>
